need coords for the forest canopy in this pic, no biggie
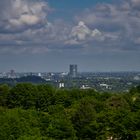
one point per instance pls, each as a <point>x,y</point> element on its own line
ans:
<point>41,112</point>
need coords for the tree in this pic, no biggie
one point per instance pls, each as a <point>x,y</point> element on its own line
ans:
<point>45,97</point>
<point>63,97</point>
<point>83,116</point>
<point>57,126</point>
<point>15,123</point>
<point>4,90</point>
<point>22,95</point>
<point>116,102</point>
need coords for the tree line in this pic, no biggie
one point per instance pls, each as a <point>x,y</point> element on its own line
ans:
<point>42,112</point>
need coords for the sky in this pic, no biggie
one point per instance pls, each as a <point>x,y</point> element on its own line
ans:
<point>49,35</point>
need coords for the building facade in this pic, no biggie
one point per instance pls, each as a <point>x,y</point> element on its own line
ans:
<point>73,71</point>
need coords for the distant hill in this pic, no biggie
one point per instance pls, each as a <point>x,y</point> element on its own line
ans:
<point>29,79</point>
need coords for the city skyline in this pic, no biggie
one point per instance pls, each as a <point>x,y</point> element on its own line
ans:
<point>48,35</point>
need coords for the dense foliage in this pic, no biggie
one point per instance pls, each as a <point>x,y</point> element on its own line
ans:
<point>41,112</point>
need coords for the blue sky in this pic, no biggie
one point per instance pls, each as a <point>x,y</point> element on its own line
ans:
<point>67,8</point>
<point>48,35</point>
<point>73,4</point>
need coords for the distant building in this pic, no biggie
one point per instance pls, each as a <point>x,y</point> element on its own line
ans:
<point>12,74</point>
<point>137,78</point>
<point>61,85</point>
<point>73,71</point>
<point>39,74</point>
<point>85,87</point>
<point>105,86</point>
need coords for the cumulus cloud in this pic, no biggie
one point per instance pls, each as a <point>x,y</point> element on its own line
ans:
<point>103,27</point>
<point>82,33</point>
<point>96,32</point>
<point>24,49</point>
<point>120,23</point>
<point>135,3</point>
<point>24,19</point>
<point>23,26</point>
<point>18,15</point>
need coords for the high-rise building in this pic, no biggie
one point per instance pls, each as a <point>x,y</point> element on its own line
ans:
<point>73,71</point>
<point>12,74</point>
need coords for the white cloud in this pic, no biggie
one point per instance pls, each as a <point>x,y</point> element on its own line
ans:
<point>135,3</point>
<point>24,49</point>
<point>82,33</point>
<point>119,23</point>
<point>103,27</point>
<point>72,42</point>
<point>24,20</point>
<point>96,32</point>
<point>22,14</point>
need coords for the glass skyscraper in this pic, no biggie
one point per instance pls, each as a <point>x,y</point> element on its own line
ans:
<point>73,71</point>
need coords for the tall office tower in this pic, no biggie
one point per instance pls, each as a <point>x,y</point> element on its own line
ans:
<point>12,74</point>
<point>73,71</point>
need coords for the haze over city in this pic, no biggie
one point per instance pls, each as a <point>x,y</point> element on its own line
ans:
<point>48,35</point>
